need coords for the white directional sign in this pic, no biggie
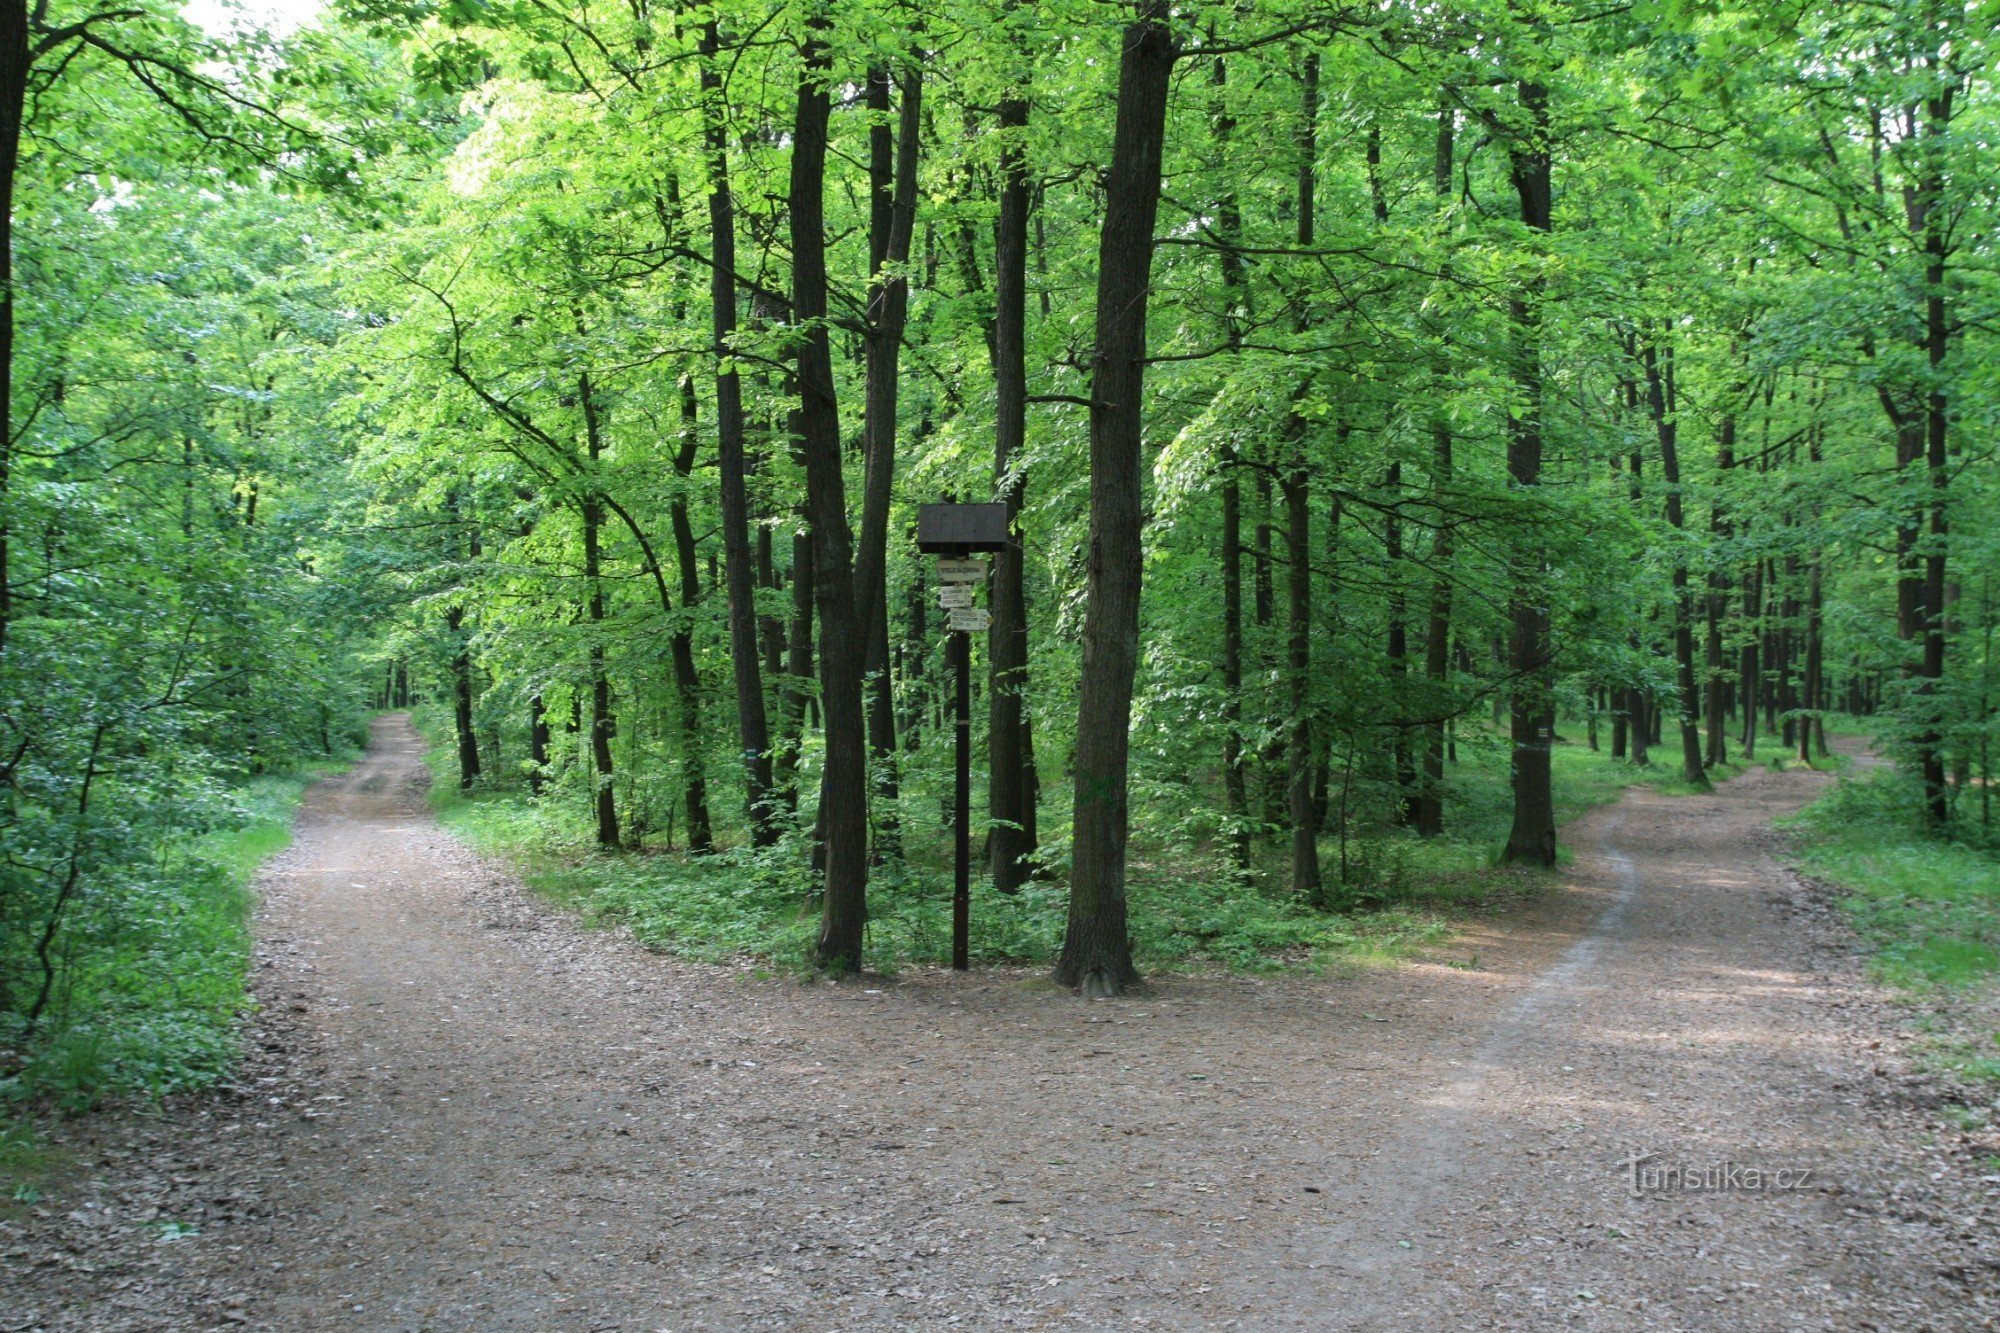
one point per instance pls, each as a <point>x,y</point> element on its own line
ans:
<point>971,619</point>
<point>961,571</point>
<point>955,596</point>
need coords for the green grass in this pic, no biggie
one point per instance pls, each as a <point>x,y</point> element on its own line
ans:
<point>744,905</point>
<point>153,990</point>
<point>1188,908</point>
<point>1928,909</point>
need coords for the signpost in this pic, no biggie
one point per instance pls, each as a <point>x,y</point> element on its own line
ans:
<point>953,532</point>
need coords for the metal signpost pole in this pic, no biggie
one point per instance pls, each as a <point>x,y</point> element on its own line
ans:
<point>953,533</point>
<point>961,891</point>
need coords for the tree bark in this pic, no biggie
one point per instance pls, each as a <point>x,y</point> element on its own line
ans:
<point>1716,694</point>
<point>1937,425</point>
<point>1663,400</point>
<point>1300,754</point>
<point>14,62</point>
<point>752,724</point>
<point>1751,667</point>
<point>1010,787</point>
<point>461,694</point>
<point>1097,952</point>
<point>892,219</point>
<point>1235,791</point>
<point>538,745</point>
<point>1427,811</point>
<point>680,640</point>
<point>1398,649</point>
<point>602,725</point>
<point>1532,839</point>
<point>842,633</point>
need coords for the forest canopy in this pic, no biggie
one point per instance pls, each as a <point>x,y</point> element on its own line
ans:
<point>1375,392</point>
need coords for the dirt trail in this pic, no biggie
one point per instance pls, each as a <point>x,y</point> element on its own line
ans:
<point>475,1116</point>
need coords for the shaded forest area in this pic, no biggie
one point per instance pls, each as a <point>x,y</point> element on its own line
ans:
<point>1370,387</point>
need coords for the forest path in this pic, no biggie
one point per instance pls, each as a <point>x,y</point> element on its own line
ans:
<point>477,1116</point>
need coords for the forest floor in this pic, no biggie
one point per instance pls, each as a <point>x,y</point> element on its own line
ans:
<point>464,1112</point>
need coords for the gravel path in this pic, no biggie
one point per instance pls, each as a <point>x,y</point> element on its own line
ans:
<point>465,1113</point>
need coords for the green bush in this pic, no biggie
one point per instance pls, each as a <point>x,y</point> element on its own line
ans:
<point>152,964</point>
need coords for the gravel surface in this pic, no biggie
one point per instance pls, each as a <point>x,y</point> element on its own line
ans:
<point>463,1112</point>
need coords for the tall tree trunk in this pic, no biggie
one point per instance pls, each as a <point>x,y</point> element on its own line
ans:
<point>892,218</point>
<point>1097,952</point>
<point>1717,602</point>
<point>842,633</point>
<point>1235,792</point>
<point>602,725</point>
<point>1812,668</point>
<point>1532,839</point>
<point>1010,787</point>
<point>14,62</point>
<point>1787,636</point>
<point>1300,754</point>
<point>1752,669</point>
<point>1427,813</point>
<point>1929,741</point>
<point>752,725</point>
<point>1662,398</point>
<point>680,643</point>
<point>1260,563</point>
<point>1397,646</point>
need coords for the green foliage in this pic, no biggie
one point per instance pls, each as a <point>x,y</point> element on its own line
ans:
<point>1929,909</point>
<point>1188,911</point>
<point>151,989</point>
<point>378,361</point>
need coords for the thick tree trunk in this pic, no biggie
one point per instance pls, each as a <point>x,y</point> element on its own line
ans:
<point>1009,787</point>
<point>1532,839</point>
<point>1937,425</point>
<point>842,633</point>
<point>1097,953</point>
<point>752,725</point>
